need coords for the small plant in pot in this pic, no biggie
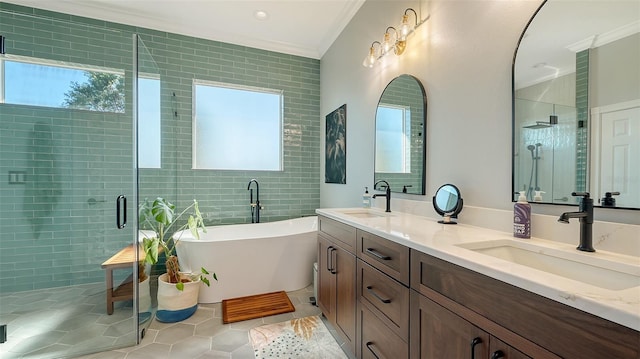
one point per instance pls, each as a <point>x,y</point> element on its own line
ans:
<point>176,290</point>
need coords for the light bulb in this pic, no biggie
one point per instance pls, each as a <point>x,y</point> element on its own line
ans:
<point>370,60</point>
<point>372,57</point>
<point>405,28</point>
<point>387,44</point>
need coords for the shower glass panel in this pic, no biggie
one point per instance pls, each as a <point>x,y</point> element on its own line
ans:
<point>66,156</point>
<point>148,133</point>
<point>544,149</point>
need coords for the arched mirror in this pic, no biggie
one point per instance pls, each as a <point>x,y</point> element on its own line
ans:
<point>447,202</point>
<point>576,103</point>
<point>400,135</point>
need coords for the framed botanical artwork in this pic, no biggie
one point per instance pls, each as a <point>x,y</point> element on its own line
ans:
<point>335,170</point>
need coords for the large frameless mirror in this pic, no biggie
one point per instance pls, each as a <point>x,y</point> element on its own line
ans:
<point>401,119</point>
<point>576,98</point>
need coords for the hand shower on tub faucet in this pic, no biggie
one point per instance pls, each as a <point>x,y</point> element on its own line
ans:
<point>255,206</point>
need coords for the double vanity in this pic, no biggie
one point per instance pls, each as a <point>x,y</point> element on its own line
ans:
<point>396,285</point>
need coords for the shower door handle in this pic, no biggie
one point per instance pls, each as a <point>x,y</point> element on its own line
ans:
<point>121,208</point>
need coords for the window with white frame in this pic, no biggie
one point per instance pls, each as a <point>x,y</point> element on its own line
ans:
<point>236,127</point>
<point>47,83</point>
<point>149,125</point>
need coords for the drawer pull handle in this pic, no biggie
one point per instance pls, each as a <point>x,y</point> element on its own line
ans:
<point>385,301</point>
<point>369,346</point>
<point>474,342</point>
<point>497,354</point>
<point>377,254</point>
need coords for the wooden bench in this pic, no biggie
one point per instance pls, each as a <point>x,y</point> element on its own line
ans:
<point>125,258</point>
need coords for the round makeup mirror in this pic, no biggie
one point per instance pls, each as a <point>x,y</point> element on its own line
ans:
<point>448,203</point>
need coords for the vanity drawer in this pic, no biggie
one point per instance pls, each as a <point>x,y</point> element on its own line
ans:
<point>378,341</point>
<point>385,297</point>
<point>390,257</point>
<point>344,234</point>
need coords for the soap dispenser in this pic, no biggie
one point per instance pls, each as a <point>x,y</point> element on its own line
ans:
<point>522,217</point>
<point>366,198</point>
<point>538,196</point>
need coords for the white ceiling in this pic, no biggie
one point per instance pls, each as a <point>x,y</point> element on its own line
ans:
<point>298,27</point>
<point>562,28</point>
<point>309,27</point>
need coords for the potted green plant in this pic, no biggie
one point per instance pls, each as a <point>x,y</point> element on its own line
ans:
<point>177,291</point>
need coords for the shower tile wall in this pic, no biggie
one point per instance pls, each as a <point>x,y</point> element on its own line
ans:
<point>223,197</point>
<point>50,233</point>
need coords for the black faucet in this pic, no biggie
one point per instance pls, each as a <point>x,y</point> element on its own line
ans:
<point>387,194</point>
<point>255,206</point>
<point>586,221</point>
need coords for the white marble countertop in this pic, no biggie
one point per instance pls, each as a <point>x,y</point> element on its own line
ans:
<point>441,241</point>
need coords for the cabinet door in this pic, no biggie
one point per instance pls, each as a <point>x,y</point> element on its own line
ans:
<point>345,268</point>
<point>438,333</point>
<point>378,340</point>
<point>501,350</point>
<point>326,279</point>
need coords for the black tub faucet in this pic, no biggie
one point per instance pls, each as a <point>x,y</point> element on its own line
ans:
<point>585,214</point>
<point>255,206</point>
<point>387,194</point>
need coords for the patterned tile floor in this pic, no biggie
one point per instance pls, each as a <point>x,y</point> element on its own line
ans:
<point>58,322</point>
<point>203,336</point>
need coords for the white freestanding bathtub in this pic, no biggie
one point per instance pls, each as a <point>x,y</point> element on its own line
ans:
<point>252,258</point>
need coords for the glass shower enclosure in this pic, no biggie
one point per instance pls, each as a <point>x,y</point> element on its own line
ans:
<point>544,145</point>
<point>68,186</point>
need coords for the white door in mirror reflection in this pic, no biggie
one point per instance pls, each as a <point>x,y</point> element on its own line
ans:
<point>619,160</point>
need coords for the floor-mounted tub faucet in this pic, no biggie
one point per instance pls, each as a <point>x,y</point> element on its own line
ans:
<point>585,214</point>
<point>387,194</point>
<point>255,206</point>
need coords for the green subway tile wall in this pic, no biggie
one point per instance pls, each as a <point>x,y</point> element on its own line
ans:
<point>55,237</point>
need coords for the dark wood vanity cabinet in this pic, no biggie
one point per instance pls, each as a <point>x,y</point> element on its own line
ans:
<point>388,301</point>
<point>532,325</point>
<point>337,277</point>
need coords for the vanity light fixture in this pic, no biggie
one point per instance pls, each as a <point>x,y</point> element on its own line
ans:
<point>395,40</point>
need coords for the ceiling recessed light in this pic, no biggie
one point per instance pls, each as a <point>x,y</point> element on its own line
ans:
<point>261,15</point>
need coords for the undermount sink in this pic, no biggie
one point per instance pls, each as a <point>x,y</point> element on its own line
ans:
<point>581,267</point>
<point>364,213</point>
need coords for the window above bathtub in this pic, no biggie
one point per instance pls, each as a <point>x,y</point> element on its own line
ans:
<point>236,127</point>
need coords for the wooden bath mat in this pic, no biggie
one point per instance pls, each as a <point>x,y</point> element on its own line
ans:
<point>255,306</point>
